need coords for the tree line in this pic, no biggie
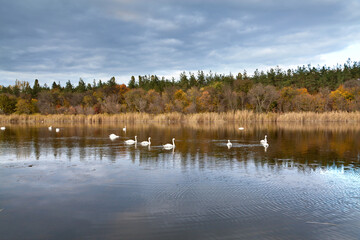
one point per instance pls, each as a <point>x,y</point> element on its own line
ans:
<point>305,88</point>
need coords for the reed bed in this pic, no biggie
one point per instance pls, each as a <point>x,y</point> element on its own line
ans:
<point>319,117</point>
<point>209,117</point>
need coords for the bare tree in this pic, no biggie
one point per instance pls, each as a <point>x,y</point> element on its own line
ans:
<point>262,97</point>
<point>230,98</point>
<point>46,103</point>
<point>135,100</point>
<point>243,98</point>
<point>111,104</point>
<point>193,96</point>
<point>155,103</point>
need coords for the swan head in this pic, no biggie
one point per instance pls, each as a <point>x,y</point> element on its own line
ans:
<point>228,141</point>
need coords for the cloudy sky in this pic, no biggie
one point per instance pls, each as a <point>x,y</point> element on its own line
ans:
<point>60,40</point>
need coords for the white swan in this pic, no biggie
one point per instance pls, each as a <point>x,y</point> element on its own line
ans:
<point>241,128</point>
<point>229,144</point>
<point>146,143</point>
<point>130,141</point>
<point>264,140</point>
<point>113,136</point>
<point>57,130</point>
<point>124,129</point>
<point>3,128</point>
<point>50,128</point>
<point>170,146</point>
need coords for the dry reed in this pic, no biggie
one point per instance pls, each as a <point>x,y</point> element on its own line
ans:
<point>209,117</point>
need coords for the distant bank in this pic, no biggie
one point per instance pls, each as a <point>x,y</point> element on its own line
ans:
<point>208,117</point>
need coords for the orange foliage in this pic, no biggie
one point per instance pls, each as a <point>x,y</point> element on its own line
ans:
<point>205,101</point>
<point>122,89</point>
<point>302,91</point>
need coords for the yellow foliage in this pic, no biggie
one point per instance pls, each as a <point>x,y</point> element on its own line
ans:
<point>287,93</point>
<point>180,95</point>
<point>341,92</point>
<point>302,91</point>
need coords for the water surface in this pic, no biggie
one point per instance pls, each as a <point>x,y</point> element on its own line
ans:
<point>78,184</point>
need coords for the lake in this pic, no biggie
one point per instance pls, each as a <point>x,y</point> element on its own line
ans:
<point>79,184</point>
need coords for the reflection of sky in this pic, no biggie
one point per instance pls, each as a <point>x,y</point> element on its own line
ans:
<point>127,194</point>
<point>104,187</point>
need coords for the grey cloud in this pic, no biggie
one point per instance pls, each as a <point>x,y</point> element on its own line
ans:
<point>123,37</point>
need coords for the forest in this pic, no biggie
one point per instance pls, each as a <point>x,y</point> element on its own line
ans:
<point>304,89</point>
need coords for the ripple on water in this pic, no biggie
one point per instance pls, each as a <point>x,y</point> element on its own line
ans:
<point>124,192</point>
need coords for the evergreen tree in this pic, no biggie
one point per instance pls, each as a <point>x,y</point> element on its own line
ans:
<point>201,79</point>
<point>192,80</point>
<point>36,89</point>
<point>132,83</point>
<point>81,87</point>
<point>69,87</point>
<point>54,85</point>
<point>111,83</point>
<point>184,82</point>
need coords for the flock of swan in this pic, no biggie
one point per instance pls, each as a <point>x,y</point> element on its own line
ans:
<point>56,129</point>
<point>112,136</point>
<point>168,146</point>
<point>143,143</point>
<point>263,142</point>
<point>50,129</point>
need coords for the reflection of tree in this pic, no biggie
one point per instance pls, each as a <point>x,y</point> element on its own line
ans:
<point>197,146</point>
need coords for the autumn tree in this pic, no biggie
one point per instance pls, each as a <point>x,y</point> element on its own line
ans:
<point>230,98</point>
<point>263,97</point>
<point>341,98</point>
<point>193,95</point>
<point>46,103</point>
<point>111,104</point>
<point>286,100</point>
<point>7,104</point>
<point>181,100</point>
<point>25,106</point>
<point>303,101</point>
<point>135,100</point>
<point>154,102</point>
<point>205,102</point>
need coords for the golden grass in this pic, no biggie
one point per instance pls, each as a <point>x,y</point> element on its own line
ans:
<point>209,117</point>
<point>319,117</point>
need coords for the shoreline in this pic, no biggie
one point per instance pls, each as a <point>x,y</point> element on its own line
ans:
<point>175,117</point>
